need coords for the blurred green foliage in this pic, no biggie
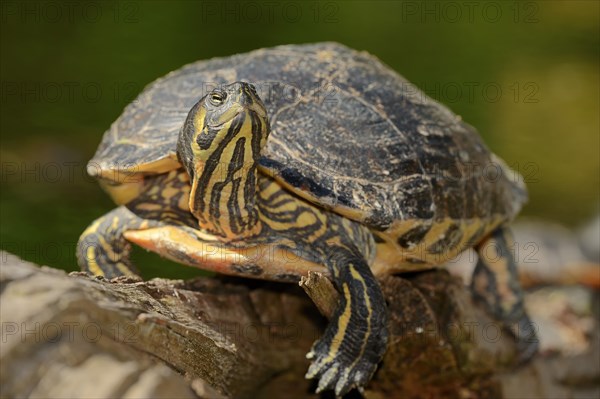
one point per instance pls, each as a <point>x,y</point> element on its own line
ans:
<point>524,73</point>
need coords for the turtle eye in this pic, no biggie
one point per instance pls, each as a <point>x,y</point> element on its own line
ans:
<point>217,98</point>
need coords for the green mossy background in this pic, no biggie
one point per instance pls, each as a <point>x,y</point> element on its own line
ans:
<point>526,74</point>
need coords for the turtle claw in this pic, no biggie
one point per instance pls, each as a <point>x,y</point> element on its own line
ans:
<point>524,331</point>
<point>327,380</point>
<point>341,373</point>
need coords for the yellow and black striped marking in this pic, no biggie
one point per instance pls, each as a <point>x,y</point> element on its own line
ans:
<point>353,344</point>
<point>220,146</point>
<point>103,249</point>
<point>495,285</point>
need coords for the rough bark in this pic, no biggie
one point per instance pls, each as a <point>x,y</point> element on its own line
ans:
<point>80,336</point>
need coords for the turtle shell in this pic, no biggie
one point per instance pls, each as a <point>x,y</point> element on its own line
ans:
<point>348,133</point>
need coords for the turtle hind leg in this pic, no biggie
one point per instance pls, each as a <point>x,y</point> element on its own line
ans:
<point>495,284</point>
<point>354,342</point>
<point>102,249</point>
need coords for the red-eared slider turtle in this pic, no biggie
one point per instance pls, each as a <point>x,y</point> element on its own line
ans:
<point>339,166</point>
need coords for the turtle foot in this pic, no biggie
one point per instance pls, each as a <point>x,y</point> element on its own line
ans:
<point>524,331</point>
<point>342,372</point>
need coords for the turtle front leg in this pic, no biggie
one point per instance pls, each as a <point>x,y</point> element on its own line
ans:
<point>102,249</point>
<point>354,342</point>
<point>495,284</point>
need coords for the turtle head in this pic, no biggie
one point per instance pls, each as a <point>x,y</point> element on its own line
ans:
<point>219,146</point>
<point>223,122</point>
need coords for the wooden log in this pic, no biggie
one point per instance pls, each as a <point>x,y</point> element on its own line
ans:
<point>79,336</point>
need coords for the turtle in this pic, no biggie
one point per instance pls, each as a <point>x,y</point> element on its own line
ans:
<point>311,157</point>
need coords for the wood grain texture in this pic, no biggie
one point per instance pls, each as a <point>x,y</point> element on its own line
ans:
<point>78,336</point>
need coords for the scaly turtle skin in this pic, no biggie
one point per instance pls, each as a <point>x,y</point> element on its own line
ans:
<point>338,166</point>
